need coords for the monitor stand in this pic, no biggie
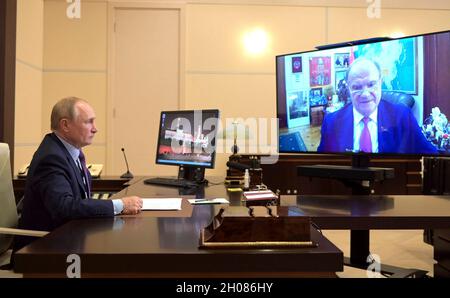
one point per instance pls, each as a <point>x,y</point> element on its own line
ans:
<point>195,174</point>
<point>360,178</point>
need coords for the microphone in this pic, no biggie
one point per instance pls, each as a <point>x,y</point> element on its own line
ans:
<point>128,173</point>
<point>238,166</point>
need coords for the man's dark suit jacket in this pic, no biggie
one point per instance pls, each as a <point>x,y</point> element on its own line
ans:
<point>54,191</point>
<point>398,131</point>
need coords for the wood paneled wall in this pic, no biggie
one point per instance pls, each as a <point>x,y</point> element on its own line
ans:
<point>7,71</point>
<point>437,73</point>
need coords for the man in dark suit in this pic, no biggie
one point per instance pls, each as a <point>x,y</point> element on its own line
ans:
<point>58,183</point>
<point>369,123</point>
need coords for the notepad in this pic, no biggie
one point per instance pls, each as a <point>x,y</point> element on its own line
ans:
<point>208,201</point>
<point>161,204</point>
<point>259,195</point>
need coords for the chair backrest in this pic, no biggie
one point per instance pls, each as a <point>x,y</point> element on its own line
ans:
<point>397,97</point>
<point>8,211</point>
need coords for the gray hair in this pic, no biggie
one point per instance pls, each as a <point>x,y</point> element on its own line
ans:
<point>64,108</point>
<point>377,65</point>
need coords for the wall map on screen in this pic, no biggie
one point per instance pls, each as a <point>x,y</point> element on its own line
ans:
<point>385,97</point>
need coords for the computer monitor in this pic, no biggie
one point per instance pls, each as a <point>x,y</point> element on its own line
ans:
<point>187,139</point>
<point>397,87</point>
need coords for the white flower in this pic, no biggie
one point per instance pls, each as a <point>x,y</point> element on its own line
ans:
<point>435,112</point>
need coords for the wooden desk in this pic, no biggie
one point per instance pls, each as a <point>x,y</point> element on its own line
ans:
<point>161,246</point>
<point>374,212</point>
<point>364,213</point>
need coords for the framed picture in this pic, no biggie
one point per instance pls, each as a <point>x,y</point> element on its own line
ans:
<point>339,78</point>
<point>316,97</point>
<point>341,60</point>
<point>320,71</point>
<point>315,92</point>
<point>296,64</point>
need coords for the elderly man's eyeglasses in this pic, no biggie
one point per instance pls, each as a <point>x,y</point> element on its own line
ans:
<point>359,88</point>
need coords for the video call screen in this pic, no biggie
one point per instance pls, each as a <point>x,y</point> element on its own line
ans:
<point>394,99</point>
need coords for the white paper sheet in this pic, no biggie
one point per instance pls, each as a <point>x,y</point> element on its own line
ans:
<point>161,203</point>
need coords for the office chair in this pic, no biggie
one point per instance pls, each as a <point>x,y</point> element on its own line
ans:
<point>397,97</point>
<point>8,210</point>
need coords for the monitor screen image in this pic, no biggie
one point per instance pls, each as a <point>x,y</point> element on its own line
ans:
<point>383,97</point>
<point>187,138</point>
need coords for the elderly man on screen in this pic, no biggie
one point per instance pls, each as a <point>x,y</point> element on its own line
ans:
<point>369,123</point>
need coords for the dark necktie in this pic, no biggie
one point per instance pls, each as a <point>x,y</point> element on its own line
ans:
<point>84,174</point>
<point>365,142</point>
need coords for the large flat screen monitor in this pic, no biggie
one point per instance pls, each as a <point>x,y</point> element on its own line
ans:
<point>384,97</point>
<point>188,138</point>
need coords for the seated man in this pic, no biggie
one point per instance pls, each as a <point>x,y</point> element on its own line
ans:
<point>369,123</point>
<point>58,183</point>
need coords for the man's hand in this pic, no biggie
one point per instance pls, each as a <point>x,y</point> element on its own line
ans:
<point>132,205</point>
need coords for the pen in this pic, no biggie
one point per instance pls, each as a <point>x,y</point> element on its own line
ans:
<point>207,201</point>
